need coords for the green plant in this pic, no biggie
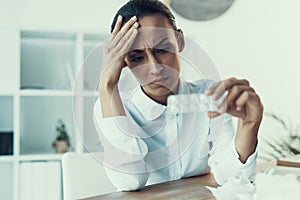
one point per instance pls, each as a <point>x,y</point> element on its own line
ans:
<point>61,132</point>
<point>286,145</point>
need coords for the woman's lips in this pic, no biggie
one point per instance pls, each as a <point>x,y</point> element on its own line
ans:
<point>160,82</point>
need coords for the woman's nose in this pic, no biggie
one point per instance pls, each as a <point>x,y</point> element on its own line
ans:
<point>155,66</point>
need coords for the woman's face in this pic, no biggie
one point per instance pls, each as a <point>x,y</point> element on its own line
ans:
<point>153,58</point>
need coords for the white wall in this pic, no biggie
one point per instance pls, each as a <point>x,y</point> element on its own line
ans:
<point>68,15</point>
<point>256,39</point>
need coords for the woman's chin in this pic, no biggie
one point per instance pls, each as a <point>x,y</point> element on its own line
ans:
<point>158,90</point>
<point>161,89</point>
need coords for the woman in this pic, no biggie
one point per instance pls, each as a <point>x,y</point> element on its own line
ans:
<point>142,144</point>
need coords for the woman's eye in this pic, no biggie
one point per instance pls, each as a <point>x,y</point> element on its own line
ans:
<point>137,59</point>
<point>162,50</point>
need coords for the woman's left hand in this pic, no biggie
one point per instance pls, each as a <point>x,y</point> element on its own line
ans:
<point>240,101</point>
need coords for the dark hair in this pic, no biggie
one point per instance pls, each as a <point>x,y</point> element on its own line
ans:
<point>141,8</point>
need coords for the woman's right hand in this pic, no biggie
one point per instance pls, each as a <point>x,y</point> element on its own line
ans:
<point>115,51</point>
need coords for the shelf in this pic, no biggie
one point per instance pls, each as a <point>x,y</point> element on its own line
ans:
<point>91,94</point>
<point>92,54</point>
<point>38,91</point>
<point>41,157</point>
<point>97,37</point>
<point>47,35</point>
<point>92,40</point>
<point>7,93</point>
<point>6,126</point>
<point>59,93</point>
<point>9,62</point>
<point>6,116</point>
<point>6,158</point>
<point>29,92</point>
<point>44,177</point>
<point>32,157</point>
<point>90,136</point>
<point>47,60</point>
<point>6,180</point>
<point>38,120</point>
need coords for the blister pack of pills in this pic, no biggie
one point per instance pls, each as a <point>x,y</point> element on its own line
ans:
<point>188,103</point>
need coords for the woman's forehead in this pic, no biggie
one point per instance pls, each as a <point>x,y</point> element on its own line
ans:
<point>156,20</point>
<point>152,37</point>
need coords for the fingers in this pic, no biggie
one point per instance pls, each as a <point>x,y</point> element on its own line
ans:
<point>117,26</point>
<point>123,36</point>
<point>240,101</point>
<point>247,97</point>
<point>127,26</point>
<point>116,29</point>
<point>233,94</point>
<point>219,88</point>
<point>127,40</point>
<point>124,30</point>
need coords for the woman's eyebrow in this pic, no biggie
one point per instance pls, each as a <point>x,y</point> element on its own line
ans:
<point>137,51</point>
<point>131,53</point>
<point>162,41</point>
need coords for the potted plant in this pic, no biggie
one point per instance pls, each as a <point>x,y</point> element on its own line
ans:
<point>286,145</point>
<point>62,142</point>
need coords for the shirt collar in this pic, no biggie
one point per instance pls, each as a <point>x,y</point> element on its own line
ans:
<point>150,109</point>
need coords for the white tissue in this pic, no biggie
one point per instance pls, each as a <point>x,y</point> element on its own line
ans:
<point>234,189</point>
<point>267,186</point>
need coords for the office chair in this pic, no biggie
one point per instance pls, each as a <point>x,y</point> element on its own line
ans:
<point>83,177</point>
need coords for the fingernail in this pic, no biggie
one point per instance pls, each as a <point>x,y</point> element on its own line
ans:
<point>238,108</point>
<point>135,25</point>
<point>133,18</point>
<point>207,92</point>
<point>119,17</point>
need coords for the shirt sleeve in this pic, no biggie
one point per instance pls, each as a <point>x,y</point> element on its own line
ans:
<point>224,159</point>
<point>124,151</point>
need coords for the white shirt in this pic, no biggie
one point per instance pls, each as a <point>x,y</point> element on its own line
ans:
<point>149,146</point>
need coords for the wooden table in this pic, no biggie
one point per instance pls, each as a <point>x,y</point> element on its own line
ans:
<point>189,188</point>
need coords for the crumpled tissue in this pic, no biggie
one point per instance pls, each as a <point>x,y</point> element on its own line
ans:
<point>234,189</point>
<point>266,186</point>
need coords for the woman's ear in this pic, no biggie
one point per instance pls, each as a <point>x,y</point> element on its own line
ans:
<point>180,40</point>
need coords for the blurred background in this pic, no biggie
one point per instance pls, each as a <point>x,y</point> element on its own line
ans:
<point>44,43</point>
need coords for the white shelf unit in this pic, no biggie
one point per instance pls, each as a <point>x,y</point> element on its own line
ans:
<point>6,179</point>
<point>38,73</point>
<point>6,160</point>
<point>45,58</point>
<point>40,157</point>
<point>38,118</point>
<point>6,116</point>
<point>92,54</point>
